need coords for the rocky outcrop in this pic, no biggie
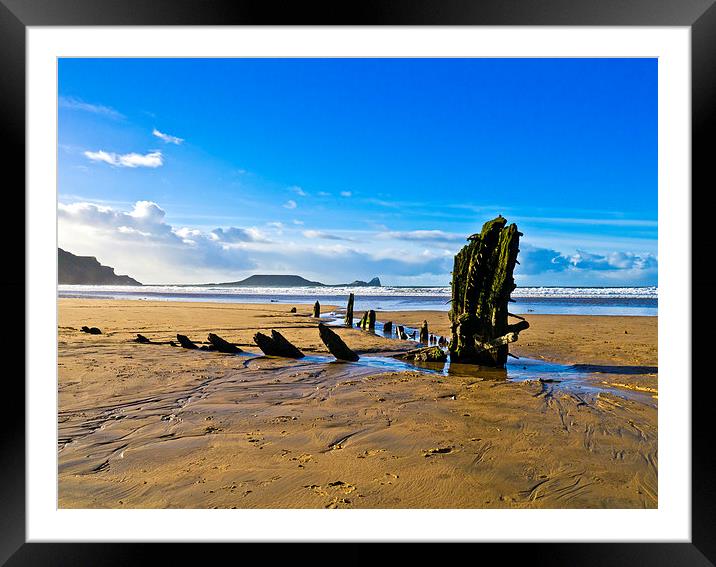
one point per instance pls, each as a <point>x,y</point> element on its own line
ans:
<point>86,270</point>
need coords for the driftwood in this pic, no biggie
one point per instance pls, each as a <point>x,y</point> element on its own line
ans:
<point>221,345</point>
<point>316,310</point>
<point>388,328</point>
<point>276,345</point>
<point>335,344</point>
<point>91,330</point>
<point>349,312</point>
<point>482,282</point>
<point>424,334</point>
<point>185,342</point>
<point>425,354</point>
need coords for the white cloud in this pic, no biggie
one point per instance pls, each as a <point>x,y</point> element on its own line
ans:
<point>167,138</point>
<point>77,104</point>
<point>323,194</point>
<point>152,159</point>
<point>425,235</point>
<point>140,242</point>
<point>300,192</point>
<point>346,193</point>
<point>535,261</point>
<point>298,222</point>
<point>233,235</point>
<point>324,235</point>
<point>290,204</point>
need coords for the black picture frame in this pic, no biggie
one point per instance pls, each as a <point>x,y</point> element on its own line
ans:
<point>699,15</point>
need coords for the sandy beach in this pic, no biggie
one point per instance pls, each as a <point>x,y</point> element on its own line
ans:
<point>156,426</point>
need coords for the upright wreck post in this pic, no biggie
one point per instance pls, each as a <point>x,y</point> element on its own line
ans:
<point>367,322</point>
<point>482,282</point>
<point>424,333</point>
<point>371,320</point>
<point>316,310</point>
<point>348,321</point>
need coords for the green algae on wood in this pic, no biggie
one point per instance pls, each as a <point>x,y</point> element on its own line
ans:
<point>348,321</point>
<point>367,322</point>
<point>425,354</point>
<point>482,282</point>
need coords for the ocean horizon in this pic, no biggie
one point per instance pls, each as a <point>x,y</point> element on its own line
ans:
<point>555,300</point>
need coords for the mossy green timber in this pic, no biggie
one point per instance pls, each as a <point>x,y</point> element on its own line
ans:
<point>482,282</point>
<point>348,321</point>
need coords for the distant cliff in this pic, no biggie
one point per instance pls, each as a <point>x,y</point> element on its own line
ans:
<point>290,281</point>
<point>375,282</point>
<point>271,281</point>
<point>86,270</point>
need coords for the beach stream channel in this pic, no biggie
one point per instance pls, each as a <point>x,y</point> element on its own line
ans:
<point>580,381</point>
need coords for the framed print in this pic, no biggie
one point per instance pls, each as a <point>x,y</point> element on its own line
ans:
<point>409,275</point>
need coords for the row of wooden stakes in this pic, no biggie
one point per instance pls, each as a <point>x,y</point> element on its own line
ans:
<point>367,323</point>
<point>274,345</point>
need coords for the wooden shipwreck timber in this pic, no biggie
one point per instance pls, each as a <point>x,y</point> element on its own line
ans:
<point>482,282</point>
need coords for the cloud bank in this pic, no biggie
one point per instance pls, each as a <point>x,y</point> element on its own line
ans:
<point>141,243</point>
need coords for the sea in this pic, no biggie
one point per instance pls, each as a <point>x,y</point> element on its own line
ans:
<point>639,301</point>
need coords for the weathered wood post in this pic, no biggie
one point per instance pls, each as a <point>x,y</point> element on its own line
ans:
<point>424,334</point>
<point>349,312</point>
<point>481,286</point>
<point>363,323</point>
<point>371,320</point>
<point>335,344</point>
<point>388,328</point>
<point>316,310</point>
<point>367,322</point>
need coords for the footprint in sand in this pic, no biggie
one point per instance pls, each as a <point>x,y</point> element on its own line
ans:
<point>388,478</point>
<point>338,503</point>
<point>334,487</point>
<point>438,451</point>
<point>370,453</point>
<point>302,459</point>
<point>344,487</point>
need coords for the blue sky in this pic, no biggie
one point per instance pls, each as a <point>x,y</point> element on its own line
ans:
<point>186,171</point>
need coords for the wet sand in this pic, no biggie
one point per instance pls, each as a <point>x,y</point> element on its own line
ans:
<point>145,426</point>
